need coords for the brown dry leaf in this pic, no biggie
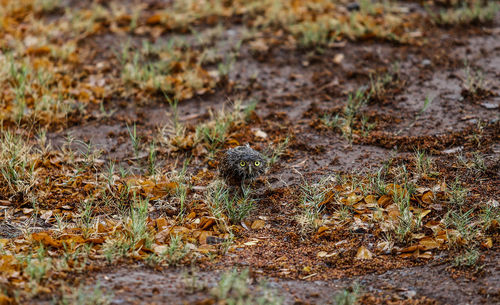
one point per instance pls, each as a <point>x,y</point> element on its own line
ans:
<point>205,249</point>
<point>5,300</point>
<point>154,19</point>
<point>488,243</point>
<point>259,45</point>
<point>179,230</point>
<point>95,240</point>
<point>328,198</point>
<point>434,225</point>
<point>46,215</point>
<point>326,254</point>
<point>160,249</point>
<point>428,243</point>
<point>370,199</point>
<point>364,253</point>
<point>353,198</point>
<point>72,239</point>
<point>425,255</point>
<point>157,190</point>
<point>423,213</point>
<point>393,211</point>
<point>206,223</point>
<point>38,51</point>
<point>322,229</point>
<point>161,223</point>
<point>202,239</point>
<point>258,224</point>
<point>428,197</point>
<point>7,263</point>
<point>162,236</point>
<point>46,239</point>
<point>384,201</point>
<point>191,215</point>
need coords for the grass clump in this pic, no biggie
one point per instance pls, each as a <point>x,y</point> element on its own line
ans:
<point>407,222</point>
<point>312,197</point>
<point>170,68</point>
<point>172,254</point>
<point>86,296</point>
<point>423,163</point>
<point>457,193</point>
<point>474,84</point>
<point>225,203</point>
<point>17,168</point>
<point>135,236</point>
<point>349,119</point>
<point>478,12</point>
<point>214,132</point>
<point>348,296</point>
<point>233,288</point>
<point>381,83</point>
<point>277,151</point>
<point>36,267</point>
<point>469,258</point>
<point>34,94</point>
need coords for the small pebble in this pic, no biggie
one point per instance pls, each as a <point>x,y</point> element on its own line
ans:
<point>490,105</point>
<point>353,6</point>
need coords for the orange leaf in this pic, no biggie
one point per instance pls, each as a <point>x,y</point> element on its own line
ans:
<point>322,229</point>
<point>384,201</point>
<point>155,19</point>
<point>428,197</point>
<point>7,263</point>
<point>410,249</point>
<point>46,239</point>
<point>37,51</point>
<point>203,237</point>
<point>161,223</point>
<point>5,300</point>
<point>206,223</point>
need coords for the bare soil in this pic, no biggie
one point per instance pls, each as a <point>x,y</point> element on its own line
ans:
<point>294,89</point>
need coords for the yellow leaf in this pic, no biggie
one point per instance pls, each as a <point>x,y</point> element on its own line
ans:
<point>370,199</point>
<point>353,198</point>
<point>488,243</point>
<point>364,253</point>
<point>258,224</point>
<point>428,197</point>
<point>428,243</point>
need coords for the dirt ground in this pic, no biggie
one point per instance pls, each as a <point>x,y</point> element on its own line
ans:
<point>295,89</point>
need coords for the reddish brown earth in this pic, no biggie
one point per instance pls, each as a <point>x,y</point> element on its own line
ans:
<point>290,96</point>
<point>294,88</point>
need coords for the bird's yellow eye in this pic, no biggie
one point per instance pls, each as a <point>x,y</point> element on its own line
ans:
<point>243,163</point>
<point>257,163</point>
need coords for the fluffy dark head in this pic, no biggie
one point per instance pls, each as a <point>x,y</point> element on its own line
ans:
<point>242,163</point>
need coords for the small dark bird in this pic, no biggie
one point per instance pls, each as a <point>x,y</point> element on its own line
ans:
<point>241,164</point>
